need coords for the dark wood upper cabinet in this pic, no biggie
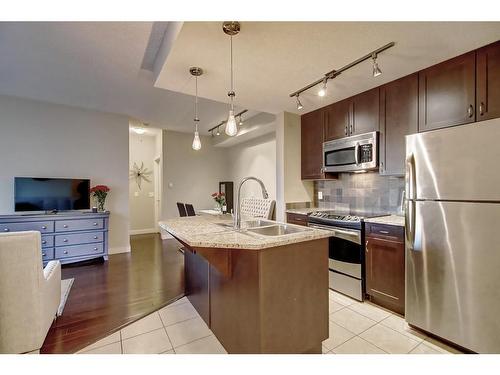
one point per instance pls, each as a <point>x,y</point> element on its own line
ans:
<point>365,112</point>
<point>312,136</point>
<point>338,117</point>
<point>488,82</point>
<point>385,266</point>
<point>398,118</point>
<point>356,115</point>
<point>447,93</point>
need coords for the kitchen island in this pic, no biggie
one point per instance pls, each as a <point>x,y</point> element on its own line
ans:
<point>262,289</point>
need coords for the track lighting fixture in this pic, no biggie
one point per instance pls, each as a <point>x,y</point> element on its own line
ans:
<point>322,91</point>
<point>299,104</point>
<point>196,72</point>
<point>376,69</point>
<point>231,28</point>
<point>334,73</point>
<point>240,122</point>
<point>218,131</point>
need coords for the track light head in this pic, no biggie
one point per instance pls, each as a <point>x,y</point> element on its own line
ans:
<point>376,69</point>
<point>322,91</point>
<point>299,104</point>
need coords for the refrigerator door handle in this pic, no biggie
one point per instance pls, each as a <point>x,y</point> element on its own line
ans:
<point>410,223</point>
<point>411,187</point>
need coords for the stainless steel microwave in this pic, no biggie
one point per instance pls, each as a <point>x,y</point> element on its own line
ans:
<point>351,154</point>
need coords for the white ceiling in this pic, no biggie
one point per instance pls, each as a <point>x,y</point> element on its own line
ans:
<point>274,59</point>
<point>97,66</point>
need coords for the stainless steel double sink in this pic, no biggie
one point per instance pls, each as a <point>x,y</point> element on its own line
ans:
<point>267,227</point>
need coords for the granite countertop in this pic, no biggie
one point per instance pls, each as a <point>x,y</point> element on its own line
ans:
<point>204,231</point>
<point>388,220</point>
<point>302,211</point>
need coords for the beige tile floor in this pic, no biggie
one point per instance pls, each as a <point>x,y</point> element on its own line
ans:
<point>355,328</point>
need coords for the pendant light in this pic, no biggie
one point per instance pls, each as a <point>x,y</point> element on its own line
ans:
<point>196,72</point>
<point>231,28</point>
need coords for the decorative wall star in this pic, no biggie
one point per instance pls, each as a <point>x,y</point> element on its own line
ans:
<point>140,173</point>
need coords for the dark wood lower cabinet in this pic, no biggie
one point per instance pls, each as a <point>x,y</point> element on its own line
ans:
<point>298,219</point>
<point>196,282</point>
<point>385,266</point>
<point>272,300</point>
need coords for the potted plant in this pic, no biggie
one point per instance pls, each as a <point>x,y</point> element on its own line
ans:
<point>220,199</point>
<point>99,193</point>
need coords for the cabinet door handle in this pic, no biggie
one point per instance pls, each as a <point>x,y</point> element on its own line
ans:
<point>481,108</point>
<point>470,111</point>
<point>366,246</point>
<point>345,132</point>
<point>350,129</point>
<point>383,231</point>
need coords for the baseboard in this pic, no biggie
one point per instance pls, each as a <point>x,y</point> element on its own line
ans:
<point>143,231</point>
<point>119,249</point>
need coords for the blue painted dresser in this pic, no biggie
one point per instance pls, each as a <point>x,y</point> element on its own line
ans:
<point>67,237</point>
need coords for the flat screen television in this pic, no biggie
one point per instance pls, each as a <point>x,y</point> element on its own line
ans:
<point>51,194</point>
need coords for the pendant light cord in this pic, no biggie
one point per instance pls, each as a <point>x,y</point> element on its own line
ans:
<point>196,104</point>
<point>232,89</point>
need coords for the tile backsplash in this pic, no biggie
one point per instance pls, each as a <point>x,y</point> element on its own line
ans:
<point>366,192</point>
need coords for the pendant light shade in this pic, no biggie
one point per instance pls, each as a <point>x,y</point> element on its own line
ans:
<point>231,127</point>
<point>196,141</point>
<point>196,72</point>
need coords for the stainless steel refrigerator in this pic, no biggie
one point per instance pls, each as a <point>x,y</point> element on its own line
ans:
<point>453,234</point>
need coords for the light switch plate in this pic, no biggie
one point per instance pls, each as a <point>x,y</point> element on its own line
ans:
<point>136,193</point>
<point>320,195</point>
<point>151,194</point>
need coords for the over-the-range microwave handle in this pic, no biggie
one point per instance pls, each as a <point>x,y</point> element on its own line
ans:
<point>356,153</point>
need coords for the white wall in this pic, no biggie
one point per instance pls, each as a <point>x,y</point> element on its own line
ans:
<point>190,176</point>
<point>256,158</point>
<point>42,139</point>
<point>142,204</point>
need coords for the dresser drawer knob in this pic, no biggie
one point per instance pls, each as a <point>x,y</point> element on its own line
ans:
<point>44,254</point>
<point>44,227</point>
<point>65,252</point>
<point>95,237</point>
<point>6,229</point>
<point>95,224</point>
<point>65,240</point>
<point>65,225</point>
<point>44,242</point>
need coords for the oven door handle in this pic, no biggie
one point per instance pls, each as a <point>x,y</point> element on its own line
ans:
<point>353,236</point>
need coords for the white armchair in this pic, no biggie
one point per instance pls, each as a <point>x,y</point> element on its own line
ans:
<point>29,294</point>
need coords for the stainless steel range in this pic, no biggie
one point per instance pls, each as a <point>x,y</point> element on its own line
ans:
<point>346,249</point>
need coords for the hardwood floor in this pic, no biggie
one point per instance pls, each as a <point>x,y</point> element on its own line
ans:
<point>109,295</point>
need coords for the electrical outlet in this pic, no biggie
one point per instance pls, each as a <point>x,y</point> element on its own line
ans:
<point>320,195</point>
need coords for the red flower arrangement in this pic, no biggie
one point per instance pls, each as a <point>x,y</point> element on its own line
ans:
<point>220,198</point>
<point>99,193</point>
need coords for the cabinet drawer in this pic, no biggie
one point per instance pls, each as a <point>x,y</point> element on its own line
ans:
<point>298,219</point>
<point>79,250</point>
<point>84,224</point>
<point>384,230</point>
<point>79,238</point>
<point>48,254</point>
<point>47,241</point>
<point>41,226</point>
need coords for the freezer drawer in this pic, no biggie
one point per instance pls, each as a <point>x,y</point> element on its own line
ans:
<point>452,271</point>
<point>457,164</point>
